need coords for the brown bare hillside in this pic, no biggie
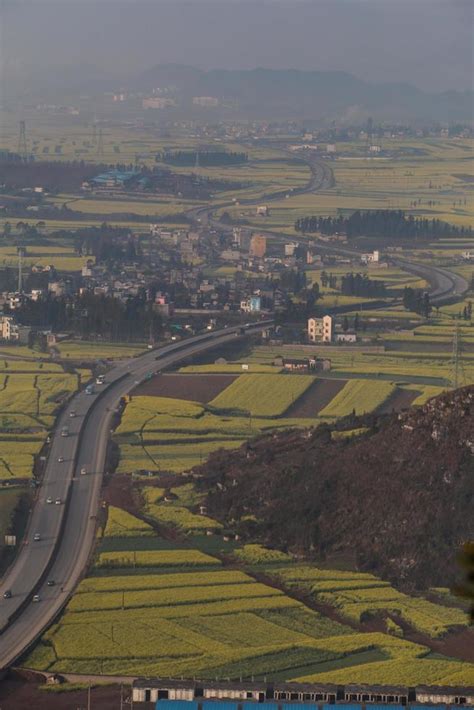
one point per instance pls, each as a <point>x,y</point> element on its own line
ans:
<point>397,501</point>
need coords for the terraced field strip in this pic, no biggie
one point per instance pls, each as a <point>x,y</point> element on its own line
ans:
<point>30,395</point>
<point>263,395</point>
<point>359,396</point>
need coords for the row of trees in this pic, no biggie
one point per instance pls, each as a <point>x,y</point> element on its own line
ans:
<point>387,224</point>
<point>205,158</point>
<point>361,285</point>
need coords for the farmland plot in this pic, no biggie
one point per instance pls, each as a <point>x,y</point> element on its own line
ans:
<point>263,395</point>
<point>359,396</point>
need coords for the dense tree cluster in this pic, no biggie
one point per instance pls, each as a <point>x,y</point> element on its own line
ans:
<point>416,300</point>
<point>106,243</point>
<point>361,285</point>
<point>91,315</point>
<point>388,224</point>
<point>206,158</point>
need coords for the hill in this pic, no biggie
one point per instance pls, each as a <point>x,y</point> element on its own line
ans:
<point>396,500</point>
<point>291,93</point>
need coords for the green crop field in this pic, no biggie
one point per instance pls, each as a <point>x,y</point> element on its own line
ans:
<point>31,393</point>
<point>165,434</point>
<point>155,558</point>
<point>62,258</point>
<point>221,622</point>
<point>92,350</point>
<point>359,396</point>
<point>122,524</point>
<point>254,554</point>
<point>359,594</point>
<point>263,395</point>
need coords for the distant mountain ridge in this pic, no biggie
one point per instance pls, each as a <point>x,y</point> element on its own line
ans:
<point>293,93</point>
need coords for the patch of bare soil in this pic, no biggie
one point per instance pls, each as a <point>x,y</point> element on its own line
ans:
<point>400,399</point>
<point>120,492</point>
<point>198,388</point>
<point>315,398</point>
<point>19,692</point>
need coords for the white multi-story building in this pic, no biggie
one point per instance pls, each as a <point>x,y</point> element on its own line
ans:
<point>320,329</point>
<point>9,328</point>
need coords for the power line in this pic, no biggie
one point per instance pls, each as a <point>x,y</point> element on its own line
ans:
<point>100,143</point>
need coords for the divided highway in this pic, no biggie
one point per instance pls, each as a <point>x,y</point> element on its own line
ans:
<point>445,286</point>
<point>67,529</point>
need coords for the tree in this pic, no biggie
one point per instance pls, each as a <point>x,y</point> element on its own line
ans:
<point>345,324</point>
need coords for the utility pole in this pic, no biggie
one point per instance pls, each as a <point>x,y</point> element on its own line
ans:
<point>89,697</point>
<point>370,133</point>
<point>100,143</point>
<point>457,367</point>
<point>22,147</point>
<point>21,253</point>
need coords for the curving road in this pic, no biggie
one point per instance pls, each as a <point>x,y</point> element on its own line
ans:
<point>67,529</point>
<point>445,285</point>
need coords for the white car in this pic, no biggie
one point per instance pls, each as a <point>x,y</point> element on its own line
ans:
<point>57,501</point>
<point>36,598</point>
<point>60,459</point>
<point>83,471</point>
<point>37,537</point>
<point>49,499</point>
<point>72,414</point>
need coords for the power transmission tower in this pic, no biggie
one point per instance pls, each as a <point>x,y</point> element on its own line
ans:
<point>22,148</point>
<point>458,377</point>
<point>369,131</point>
<point>100,143</point>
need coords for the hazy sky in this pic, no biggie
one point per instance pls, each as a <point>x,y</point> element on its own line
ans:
<point>425,42</point>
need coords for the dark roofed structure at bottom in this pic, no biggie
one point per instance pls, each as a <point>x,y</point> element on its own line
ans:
<point>173,694</point>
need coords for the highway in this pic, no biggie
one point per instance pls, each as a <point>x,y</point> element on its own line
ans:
<point>67,529</point>
<point>445,285</point>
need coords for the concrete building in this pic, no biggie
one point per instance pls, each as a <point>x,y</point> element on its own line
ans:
<point>262,211</point>
<point>258,246</point>
<point>331,148</point>
<point>320,329</point>
<point>158,102</point>
<point>8,328</point>
<point>13,332</point>
<point>205,101</point>
<point>290,248</point>
<point>253,304</point>
<point>346,337</point>
<point>373,258</point>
